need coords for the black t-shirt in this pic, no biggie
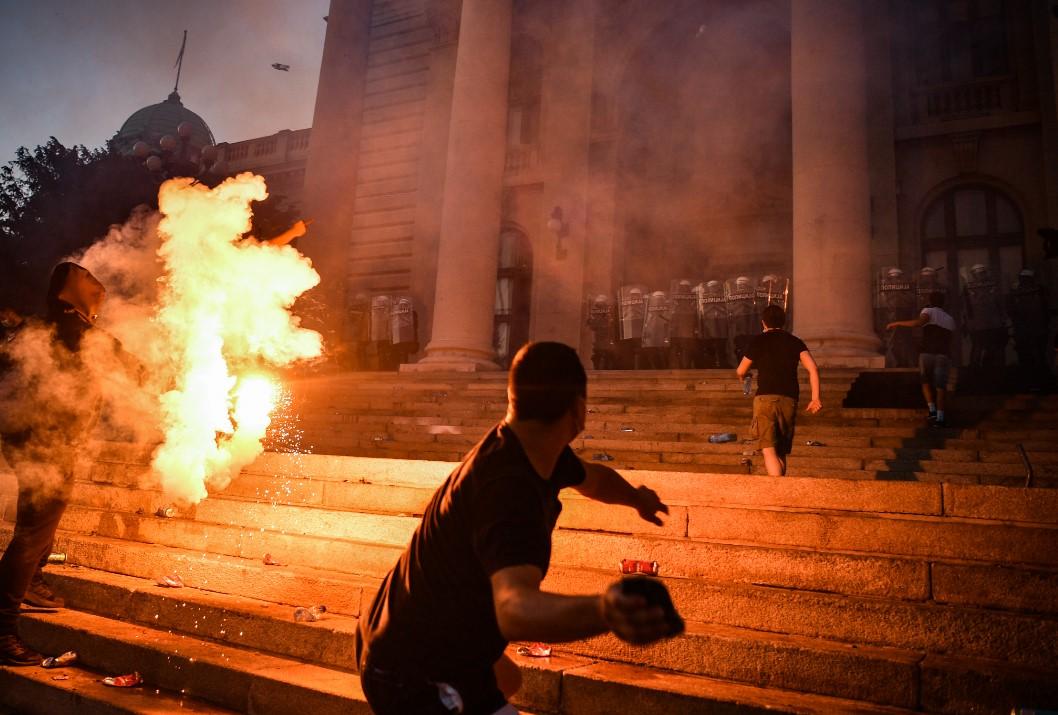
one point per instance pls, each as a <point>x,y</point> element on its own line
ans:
<point>434,614</point>
<point>776,354</point>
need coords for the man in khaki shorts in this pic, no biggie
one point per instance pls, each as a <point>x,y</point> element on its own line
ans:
<point>775,354</point>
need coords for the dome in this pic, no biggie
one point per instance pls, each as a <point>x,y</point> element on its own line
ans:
<point>153,122</point>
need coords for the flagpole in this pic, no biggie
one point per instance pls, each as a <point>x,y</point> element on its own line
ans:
<point>180,62</point>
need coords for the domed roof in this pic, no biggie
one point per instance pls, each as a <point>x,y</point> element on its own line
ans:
<point>156,120</point>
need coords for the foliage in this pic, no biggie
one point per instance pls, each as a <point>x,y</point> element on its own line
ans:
<point>56,200</point>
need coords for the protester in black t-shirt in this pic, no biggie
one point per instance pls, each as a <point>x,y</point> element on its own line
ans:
<point>776,353</point>
<point>469,581</point>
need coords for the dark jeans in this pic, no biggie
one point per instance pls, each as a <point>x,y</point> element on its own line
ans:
<point>36,520</point>
<point>390,692</point>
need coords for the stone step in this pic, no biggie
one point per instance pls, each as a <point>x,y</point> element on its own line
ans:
<point>264,625</point>
<point>260,683</point>
<point>787,567</point>
<point>35,691</point>
<point>824,530</point>
<point>370,483</point>
<point>237,678</point>
<point>923,627</point>
<point>255,630</point>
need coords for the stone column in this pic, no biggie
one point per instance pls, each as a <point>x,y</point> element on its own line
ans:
<point>831,179</point>
<point>471,210</point>
<point>334,155</point>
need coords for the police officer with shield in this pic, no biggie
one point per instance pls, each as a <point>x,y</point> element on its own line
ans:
<point>381,333</point>
<point>656,331</point>
<point>601,324</point>
<point>633,312</point>
<point>358,327</point>
<point>713,324</point>
<point>1027,308</point>
<point>742,316</point>
<point>984,318</point>
<point>895,301</point>
<point>683,324</point>
<point>404,330</point>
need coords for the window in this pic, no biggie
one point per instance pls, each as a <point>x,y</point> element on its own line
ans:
<point>968,225</point>
<point>959,40</point>
<point>513,287</point>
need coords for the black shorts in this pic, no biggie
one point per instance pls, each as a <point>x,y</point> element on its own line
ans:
<point>392,692</point>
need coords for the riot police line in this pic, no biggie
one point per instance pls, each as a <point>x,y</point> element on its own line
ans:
<point>691,325</point>
<point>989,315</point>
<point>384,332</point>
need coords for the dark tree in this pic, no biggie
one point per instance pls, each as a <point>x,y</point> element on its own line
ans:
<point>57,200</point>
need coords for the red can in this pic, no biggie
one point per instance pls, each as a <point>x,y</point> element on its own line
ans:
<point>650,568</point>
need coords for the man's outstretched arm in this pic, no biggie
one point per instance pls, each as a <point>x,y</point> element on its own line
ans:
<point>605,485</point>
<point>525,613</point>
<point>813,378</point>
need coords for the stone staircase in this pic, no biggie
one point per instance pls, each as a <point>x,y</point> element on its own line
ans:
<point>801,594</point>
<point>661,420</point>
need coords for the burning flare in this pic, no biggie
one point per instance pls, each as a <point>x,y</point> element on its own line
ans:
<point>225,308</point>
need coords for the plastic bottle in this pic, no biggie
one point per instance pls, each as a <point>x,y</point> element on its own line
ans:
<point>721,437</point>
<point>747,384</point>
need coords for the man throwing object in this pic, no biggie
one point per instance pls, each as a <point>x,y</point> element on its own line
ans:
<point>469,581</point>
<point>776,353</point>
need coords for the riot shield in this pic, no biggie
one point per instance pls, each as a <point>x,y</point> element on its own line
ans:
<point>740,298</point>
<point>683,311</point>
<point>380,329</point>
<point>712,310</point>
<point>633,311</point>
<point>982,302</point>
<point>402,320</point>
<point>656,326</point>
<point>360,318</point>
<point>895,300</point>
<point>772,289</point>
<point>600,319</point>
<point>929,281</point>
<point>1027,305</point>
<point>894,297</point>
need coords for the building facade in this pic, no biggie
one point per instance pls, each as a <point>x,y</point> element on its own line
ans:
<point>280,158</point>
<point>501,160</point>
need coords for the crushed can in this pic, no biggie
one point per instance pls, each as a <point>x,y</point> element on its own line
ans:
<point>170,581</point>
<point>56,557</point>
<point>602,457</point>
<point>59,661</point>
<point>650,568</point>
<point>814,443</point>
<point>535,650</point>
<point>166,512</point>
<point>123,681</point>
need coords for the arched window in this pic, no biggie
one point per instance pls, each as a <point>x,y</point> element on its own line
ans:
<point>973,224</point>
<point>969,225</point>
<point>514,279</point>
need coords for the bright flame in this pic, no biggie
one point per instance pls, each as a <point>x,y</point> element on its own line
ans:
<point>225,301</point>
<point>255,398</point>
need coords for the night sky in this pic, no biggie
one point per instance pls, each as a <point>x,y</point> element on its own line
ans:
<point>76,69</point>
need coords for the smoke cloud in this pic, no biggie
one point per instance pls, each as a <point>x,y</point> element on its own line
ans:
<point>203,316</point>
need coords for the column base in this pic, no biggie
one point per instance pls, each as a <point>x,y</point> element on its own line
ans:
<point>452,360</point>
<point>833,346</point>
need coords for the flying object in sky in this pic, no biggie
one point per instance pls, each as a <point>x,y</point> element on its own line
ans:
<point>281,67</point>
